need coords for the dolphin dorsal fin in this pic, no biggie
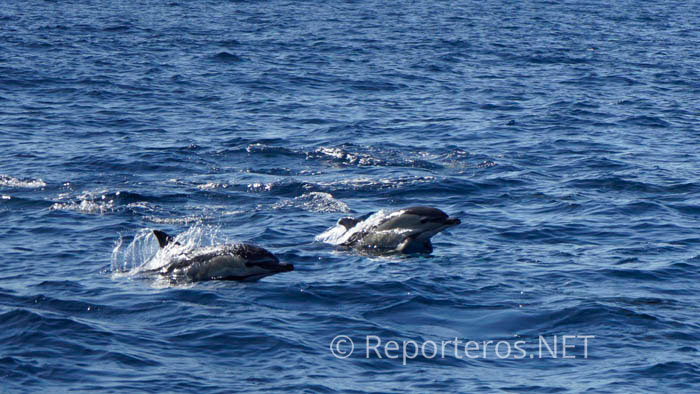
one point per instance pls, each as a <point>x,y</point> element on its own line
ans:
<point>163,238</point>
<point>347,222</point>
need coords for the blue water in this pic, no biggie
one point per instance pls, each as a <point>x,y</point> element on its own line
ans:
<point>564,134</point>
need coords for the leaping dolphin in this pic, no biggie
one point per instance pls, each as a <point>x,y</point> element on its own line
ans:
<point>241,262</point>
<point>407,230</point>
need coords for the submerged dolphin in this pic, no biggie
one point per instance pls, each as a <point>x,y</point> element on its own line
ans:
<point>404,231</point>
<point>242,262</point>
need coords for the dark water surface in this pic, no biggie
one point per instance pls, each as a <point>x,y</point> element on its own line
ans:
<point>563,134</point>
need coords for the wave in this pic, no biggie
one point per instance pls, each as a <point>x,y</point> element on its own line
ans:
<point>344,186</point>
<point>314,202</point>
<point>349,155</point>
<point>84,206</point>
<point>105,201</point>
<point>27,183</point>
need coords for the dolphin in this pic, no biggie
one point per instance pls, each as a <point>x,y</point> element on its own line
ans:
<point>241,262</point>
<point>406,230</point>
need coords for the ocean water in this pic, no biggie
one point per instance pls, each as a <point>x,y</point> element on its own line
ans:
<point>564,134</point>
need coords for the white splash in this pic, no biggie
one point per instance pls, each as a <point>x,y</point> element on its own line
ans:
<point>212,186</point>
<point>88,202</point>
<point>186,220</point>
<point>84,206</point>
<point>143,253</point>
<point>314,202</point>
<point>366,183</point>
<point>258,187</point>
<point>9,181</point>
<point>349,158</point>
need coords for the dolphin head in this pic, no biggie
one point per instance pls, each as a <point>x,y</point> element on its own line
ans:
<point>425,221</point>
<point>416,226</point>
<point>263,260</point>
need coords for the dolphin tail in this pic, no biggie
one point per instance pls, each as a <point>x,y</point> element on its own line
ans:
<point>163,238</point>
